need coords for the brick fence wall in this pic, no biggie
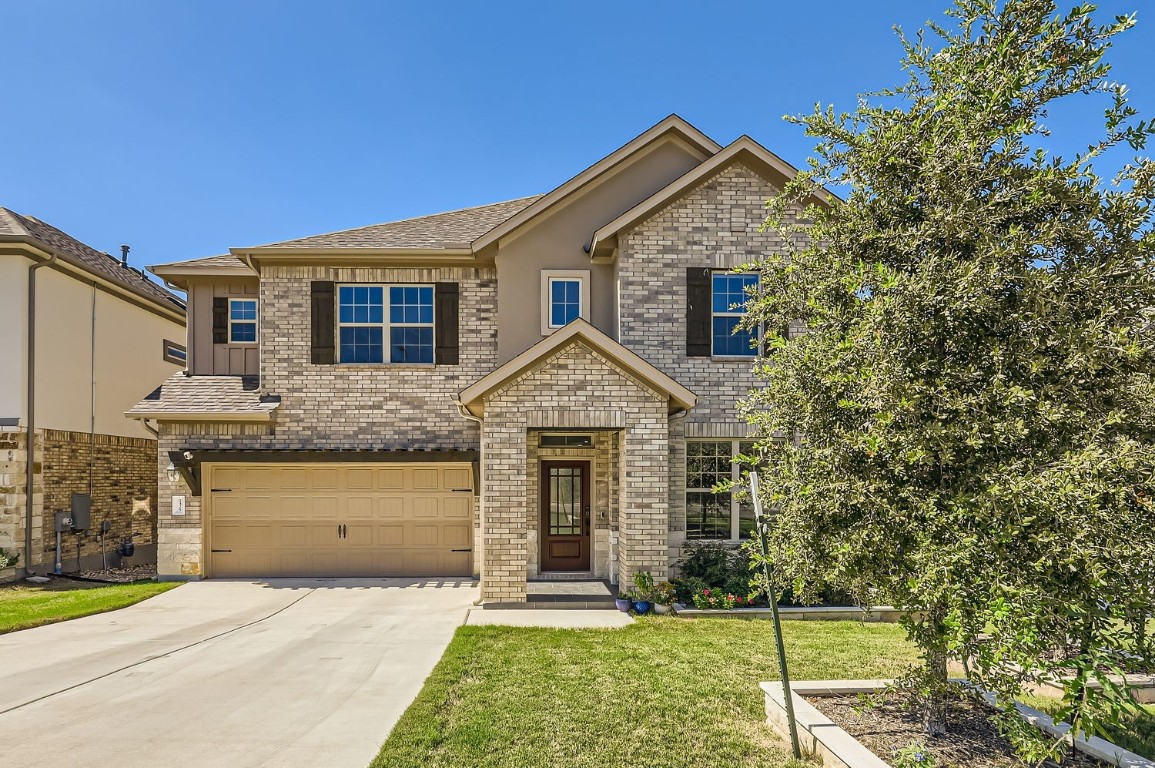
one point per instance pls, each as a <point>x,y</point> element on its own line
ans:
<point>124,489</point>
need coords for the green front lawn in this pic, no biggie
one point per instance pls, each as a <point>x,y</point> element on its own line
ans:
<point>663,692</point>
<point>26,605</point>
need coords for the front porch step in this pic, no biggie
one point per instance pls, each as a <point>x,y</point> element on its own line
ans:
<point>561,602</point>
<point>565,576</point>
<point>551,594</point>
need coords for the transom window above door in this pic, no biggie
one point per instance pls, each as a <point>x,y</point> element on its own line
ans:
<point>730,294</point>
<point>242,321</point>
<point>385,323</point>
<point>564,298</point>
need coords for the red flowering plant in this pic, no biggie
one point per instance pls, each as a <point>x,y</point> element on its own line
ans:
<point>716,599</point>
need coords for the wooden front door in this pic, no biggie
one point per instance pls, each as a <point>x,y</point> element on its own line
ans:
<point>565,515</point>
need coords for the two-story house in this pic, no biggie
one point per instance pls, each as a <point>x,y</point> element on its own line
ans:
<point>545,385</point>
<point>82,333</point>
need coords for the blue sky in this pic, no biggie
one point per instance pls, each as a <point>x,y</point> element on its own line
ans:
<point>185,128</point>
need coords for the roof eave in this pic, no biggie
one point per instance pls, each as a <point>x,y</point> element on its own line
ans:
<point>185,416</point>
<point>46,252</point>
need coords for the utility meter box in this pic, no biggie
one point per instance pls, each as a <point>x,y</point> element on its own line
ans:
<point>62,523</point>
<point>81,511</point>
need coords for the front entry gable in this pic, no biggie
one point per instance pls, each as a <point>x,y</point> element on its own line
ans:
<point>576,359</point>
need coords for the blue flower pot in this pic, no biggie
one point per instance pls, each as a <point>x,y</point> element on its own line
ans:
<point>623,605</point>
<point>642,607</point>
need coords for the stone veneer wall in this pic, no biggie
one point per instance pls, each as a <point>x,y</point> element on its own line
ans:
<point>573,389</point>
<point>124,490</point>
<point>716,226</point>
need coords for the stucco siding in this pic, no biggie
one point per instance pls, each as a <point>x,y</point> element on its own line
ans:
<point>557,241</point>
<point>13,334</point>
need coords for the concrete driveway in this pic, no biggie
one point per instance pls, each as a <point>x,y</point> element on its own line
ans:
<point>284,672</point>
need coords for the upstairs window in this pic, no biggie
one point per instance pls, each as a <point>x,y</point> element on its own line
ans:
<point>242,321</point>
<point>366,327</point>
<point>730,295</point>
<point>564,298</point>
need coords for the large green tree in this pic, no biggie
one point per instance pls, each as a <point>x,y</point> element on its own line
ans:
<point>965,428</point>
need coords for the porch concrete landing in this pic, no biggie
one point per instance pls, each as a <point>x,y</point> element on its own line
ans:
<point>562,595</point>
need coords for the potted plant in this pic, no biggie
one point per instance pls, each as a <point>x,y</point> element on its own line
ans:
<point>664,595</point>
<point>643,587</point>
<point>624,603</point>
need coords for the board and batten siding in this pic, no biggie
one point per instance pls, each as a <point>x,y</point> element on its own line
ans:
<point>205,356</point>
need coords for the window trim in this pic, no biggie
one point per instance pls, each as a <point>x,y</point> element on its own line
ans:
<point>166,352</point>
<point>755,351</point>
<point>385,325</point>
<point>735,477</point>
<point>582,276</point>
<point>256,322</point>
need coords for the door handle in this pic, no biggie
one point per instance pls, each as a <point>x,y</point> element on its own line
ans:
<point>344,531</point>
<point>586,520</point>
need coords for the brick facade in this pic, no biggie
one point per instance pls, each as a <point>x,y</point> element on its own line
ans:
<point>639,455</point>
<point>717,226</point>
<point>575,388</point>
<point>123,486</point>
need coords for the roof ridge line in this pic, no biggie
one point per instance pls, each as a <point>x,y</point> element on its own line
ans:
<point>394,221</point>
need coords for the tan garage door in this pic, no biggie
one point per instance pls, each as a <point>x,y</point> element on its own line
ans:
<point>411,519</point>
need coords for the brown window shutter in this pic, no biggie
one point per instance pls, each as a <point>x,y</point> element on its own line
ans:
<point>220,320</point>
<point>324,352</point>
<point>698,296</point>
<point>446,317</point>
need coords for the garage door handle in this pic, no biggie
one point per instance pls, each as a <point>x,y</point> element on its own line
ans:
<point>461,550</point>
<point>220,550</point>
<point>222,490</point>
<point>462,490</point>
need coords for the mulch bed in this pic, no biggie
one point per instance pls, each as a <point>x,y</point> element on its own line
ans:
<point>124,575</point>
<point>972,741</point>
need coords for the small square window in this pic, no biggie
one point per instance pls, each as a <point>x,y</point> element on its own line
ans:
<point>565,301</point>
<point>242,321</point>
<point>565,297</point>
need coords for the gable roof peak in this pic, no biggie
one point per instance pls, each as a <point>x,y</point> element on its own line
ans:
<point>673,125</point>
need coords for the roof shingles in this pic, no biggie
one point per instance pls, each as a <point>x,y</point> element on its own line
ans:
<point>20,227</point>
<point>452,229</point>
<point>181,393</point>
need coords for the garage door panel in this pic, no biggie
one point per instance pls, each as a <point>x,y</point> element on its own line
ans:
<point>284,520</point>
<point>294,479</point>
<point>426,479</point>
<point>389,535</point>
<point>426,506</point>
<point>323,508</point>
<point>324,479</point>
<point>294,507</point>
<point>359,479</point>
<point>457,507</point>
<point>391,507</point>
<point>456,536</point>
<point>359,508</point>
<point>457,478</point>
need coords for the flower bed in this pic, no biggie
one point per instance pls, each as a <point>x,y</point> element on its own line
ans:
<point>821,735</point>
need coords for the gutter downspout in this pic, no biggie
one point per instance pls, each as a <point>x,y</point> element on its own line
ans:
<point>465,414</point>
<point>30,474</point>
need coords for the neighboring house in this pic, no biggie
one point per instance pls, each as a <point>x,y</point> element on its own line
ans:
<point>100,331</point>
<point>541,386</point>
